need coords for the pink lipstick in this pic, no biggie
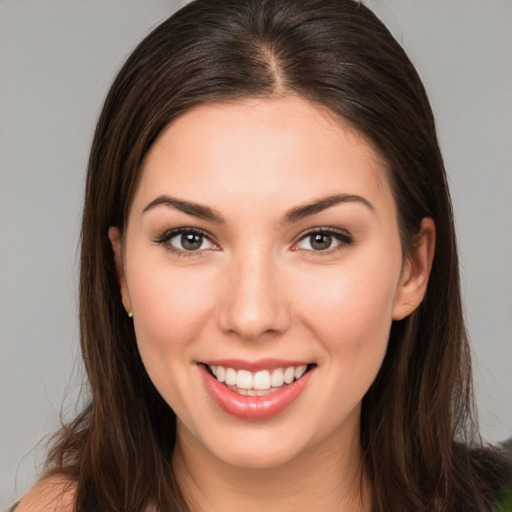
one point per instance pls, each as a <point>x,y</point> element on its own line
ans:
<point>289,380</point>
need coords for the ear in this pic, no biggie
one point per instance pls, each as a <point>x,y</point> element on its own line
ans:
<point>416,272</point>
<point>114,236</point>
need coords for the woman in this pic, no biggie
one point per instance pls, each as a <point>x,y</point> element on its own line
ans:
<point>270,307</point>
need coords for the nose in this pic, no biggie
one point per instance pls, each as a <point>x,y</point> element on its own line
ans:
<point>254,300</point>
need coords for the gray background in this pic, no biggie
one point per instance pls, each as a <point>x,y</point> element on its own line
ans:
<point>57,59</point>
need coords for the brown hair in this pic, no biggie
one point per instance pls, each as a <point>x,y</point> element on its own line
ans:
<point>417,420</point>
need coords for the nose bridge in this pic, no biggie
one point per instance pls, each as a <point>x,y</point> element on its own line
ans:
<point>254,301</point>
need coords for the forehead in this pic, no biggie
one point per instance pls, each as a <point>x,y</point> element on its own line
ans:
<point>280,149</point>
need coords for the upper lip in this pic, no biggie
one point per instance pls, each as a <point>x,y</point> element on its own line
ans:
<point>253,366</point>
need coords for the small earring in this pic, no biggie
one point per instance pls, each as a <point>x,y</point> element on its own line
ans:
<point>130,314</point>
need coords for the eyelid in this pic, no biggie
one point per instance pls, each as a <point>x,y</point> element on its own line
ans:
<point>343,236</point>
<point>168,235</point>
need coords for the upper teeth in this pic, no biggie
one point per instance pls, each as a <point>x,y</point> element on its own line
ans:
<point>264,379</point>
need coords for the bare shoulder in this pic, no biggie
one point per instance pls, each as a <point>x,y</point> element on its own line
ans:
<point>52,494</point>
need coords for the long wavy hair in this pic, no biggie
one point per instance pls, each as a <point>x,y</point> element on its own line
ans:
<point>417,423</point>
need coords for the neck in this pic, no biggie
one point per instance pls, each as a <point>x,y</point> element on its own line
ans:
<point>321,478</point>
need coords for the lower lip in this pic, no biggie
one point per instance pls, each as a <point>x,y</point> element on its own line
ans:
<point>253,407</point>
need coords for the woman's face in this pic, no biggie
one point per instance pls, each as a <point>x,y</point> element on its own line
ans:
<point>263,265</point>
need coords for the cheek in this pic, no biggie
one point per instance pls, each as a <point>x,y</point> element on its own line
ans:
<point>350,308</point>
<point>170,310</point>
<point>170,307</point>
<point>350,316</point>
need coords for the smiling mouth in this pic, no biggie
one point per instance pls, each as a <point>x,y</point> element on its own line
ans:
<point>259,383</point>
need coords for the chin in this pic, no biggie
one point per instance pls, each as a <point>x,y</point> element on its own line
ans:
<point>258,457</point>
<point>257,446</point>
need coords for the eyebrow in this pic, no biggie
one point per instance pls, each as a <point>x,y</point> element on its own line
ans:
<point>197,210</point>
<point>293,215</point>
<point>298,213</point>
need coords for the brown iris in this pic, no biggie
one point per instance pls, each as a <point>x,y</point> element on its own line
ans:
<point>191,241</point>
<point>320,241</point>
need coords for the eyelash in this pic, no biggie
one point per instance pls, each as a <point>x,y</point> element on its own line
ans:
<point>341,236</point>
<point>166,237</point>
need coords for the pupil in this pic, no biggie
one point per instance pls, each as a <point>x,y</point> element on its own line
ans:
<point>321,241</point>
<point>191,241</point>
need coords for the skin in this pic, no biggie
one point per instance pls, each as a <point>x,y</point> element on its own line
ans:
<point>53,494</point>
<point>256,288</point>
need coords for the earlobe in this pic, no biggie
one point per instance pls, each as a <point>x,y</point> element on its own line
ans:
<point>114,236</point>
<point>416,272</point>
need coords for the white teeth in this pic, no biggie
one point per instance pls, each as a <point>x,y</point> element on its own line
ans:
<point>300,371</point>
<point>261,380</point>
<point>230,378</point>
<point>289,375</point>
<point>244,379</point>
<point>277,378</point>
<point>220,373</point>
<point>258,383</point>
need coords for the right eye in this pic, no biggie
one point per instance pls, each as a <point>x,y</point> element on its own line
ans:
<point>186,241</point>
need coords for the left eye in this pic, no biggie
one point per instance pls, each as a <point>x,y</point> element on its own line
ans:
<point>323,241</point>
<point>187,241</point>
